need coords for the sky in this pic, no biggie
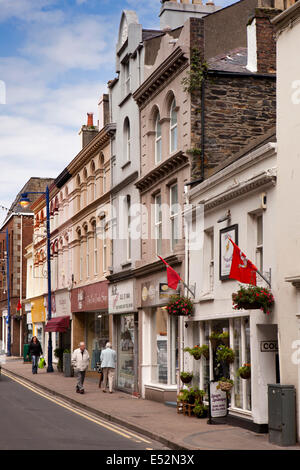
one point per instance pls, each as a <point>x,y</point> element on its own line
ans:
<point>56,57</point>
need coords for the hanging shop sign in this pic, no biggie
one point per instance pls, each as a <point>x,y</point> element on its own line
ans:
<point>217,401</point>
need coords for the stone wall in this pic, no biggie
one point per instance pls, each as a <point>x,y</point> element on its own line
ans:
<point>237,111</point>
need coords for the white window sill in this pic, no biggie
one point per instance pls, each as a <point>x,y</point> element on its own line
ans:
<point>241,413</point>
<point>161,387</point>
<point>206,297</point>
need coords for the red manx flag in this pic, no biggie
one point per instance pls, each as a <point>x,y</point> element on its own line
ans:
<point>241,268</point>
<point>19,307</point>
<point>172,276</point>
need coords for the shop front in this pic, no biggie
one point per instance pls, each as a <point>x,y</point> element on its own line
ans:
<point>29,326</point>
<point>38,316</point>
<point>160,340</point>
<point>90,319</point>
<point>125,334</point>
<point>4,331</point>
<point>60,312</point>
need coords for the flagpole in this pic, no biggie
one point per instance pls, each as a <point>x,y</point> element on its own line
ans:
<point>264,278</point>
<point>185,285</point>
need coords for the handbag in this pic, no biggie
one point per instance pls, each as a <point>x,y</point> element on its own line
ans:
<point>42,363</point>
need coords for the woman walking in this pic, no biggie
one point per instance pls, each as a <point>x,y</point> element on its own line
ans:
<point>35,350</point>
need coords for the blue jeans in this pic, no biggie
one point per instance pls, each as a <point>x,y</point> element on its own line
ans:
<point>35,362</point>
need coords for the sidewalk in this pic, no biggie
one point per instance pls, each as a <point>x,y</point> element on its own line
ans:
<point>152,419</point>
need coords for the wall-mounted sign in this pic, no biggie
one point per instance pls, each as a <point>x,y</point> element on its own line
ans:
<point>269,346</point>
<point>226,250</point>
<point>217,401</point>
<point>165,292</point>
<point>120,298</point>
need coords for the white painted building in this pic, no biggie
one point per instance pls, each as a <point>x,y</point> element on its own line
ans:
<point>287,228</point>
<point>240,197</point>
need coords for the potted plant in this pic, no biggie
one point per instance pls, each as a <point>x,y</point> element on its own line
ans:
<point>225,384</point>
<point>224,338</point>
<point>215,339</point>
<point>191,395</point>
<point>253,297</point>
<point>179,305</point>
<point>67,365</point>
<point>244,372</point>
<point>200,410</point>
<point>198,351</point>
<point>225,354</point>
<point>58,353</point>
<point>186,377</point>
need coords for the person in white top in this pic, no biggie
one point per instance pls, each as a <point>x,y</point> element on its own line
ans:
<point>108,361</point>
<point>80,362</point>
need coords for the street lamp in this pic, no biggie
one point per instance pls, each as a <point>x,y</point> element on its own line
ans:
<point>24,202</point>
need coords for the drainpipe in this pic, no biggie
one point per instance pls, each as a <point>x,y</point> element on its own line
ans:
<point>202,127</point>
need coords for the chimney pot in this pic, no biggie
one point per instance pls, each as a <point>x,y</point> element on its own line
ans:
<point>90,119</point>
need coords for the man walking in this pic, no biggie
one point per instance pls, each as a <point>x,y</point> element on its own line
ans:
<point>80,362</point>
<point>108,361</point>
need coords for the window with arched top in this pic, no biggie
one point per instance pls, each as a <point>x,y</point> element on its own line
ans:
<point>157,139</point>
<point>127,139</point>
<point>173,127</point>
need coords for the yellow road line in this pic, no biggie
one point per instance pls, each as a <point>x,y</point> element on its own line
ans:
<point>111,427</point>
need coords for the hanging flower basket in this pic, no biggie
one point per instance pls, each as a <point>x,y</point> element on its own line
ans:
<point>244,372</point>
<point>198,351</point>
<point>253,297</point>
<point>219,338</point>
<point>225,385</point>
<point>179,305</point>
<point>186,377</point>
<point>225,354</point>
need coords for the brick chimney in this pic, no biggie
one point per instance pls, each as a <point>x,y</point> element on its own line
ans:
<point>103,111</point>
<point>89,131</point>
<point>261,39</point>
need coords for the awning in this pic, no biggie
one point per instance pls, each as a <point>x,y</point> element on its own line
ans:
<point>58,324</point>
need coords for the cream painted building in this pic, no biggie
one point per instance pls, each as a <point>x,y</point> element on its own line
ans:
<point>287,226</point>
<point>239,199</point>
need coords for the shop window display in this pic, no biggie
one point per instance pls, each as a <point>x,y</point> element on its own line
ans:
<point>97,332</point>
<point>126,352</point>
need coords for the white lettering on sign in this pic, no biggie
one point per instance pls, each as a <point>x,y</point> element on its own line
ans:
<point>269,346</point>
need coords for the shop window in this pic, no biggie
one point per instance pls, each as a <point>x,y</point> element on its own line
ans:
<point>125,339</point>
<point>161,322</point>
<point>97,335</point>
<point>165,345</point>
